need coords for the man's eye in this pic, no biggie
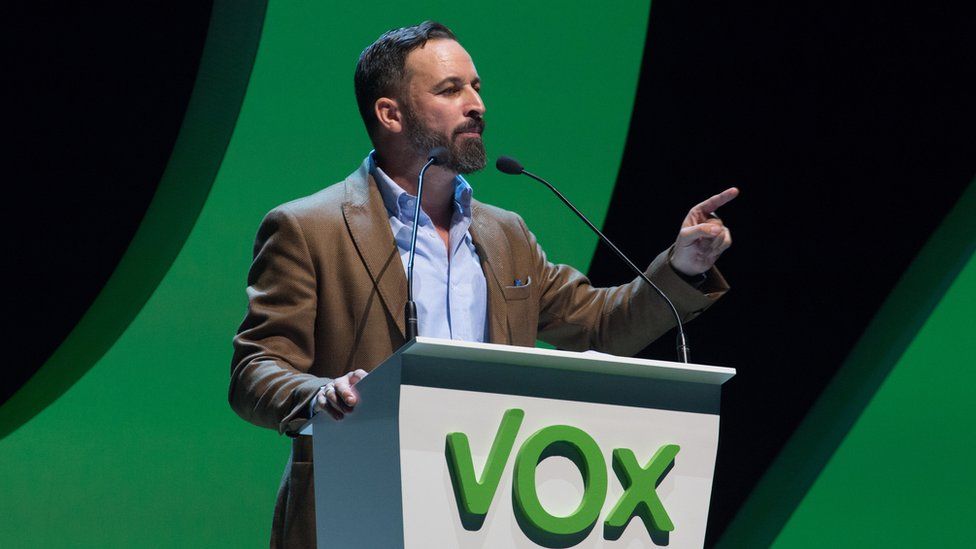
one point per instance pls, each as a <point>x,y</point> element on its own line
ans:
<point>450,91</point>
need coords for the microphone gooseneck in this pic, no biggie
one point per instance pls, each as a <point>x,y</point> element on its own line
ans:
<point>436,157</point>
<point>509,165</point>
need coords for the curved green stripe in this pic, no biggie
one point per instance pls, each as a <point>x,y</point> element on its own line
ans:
<point>884,345</point>
<point>211,114</point>
<point>903,476</point>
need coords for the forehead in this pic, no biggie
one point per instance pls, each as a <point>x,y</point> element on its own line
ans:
<point>439,59</point>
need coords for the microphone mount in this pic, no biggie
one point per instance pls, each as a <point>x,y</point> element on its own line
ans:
<point>437,156</point>
<point>509,165</point>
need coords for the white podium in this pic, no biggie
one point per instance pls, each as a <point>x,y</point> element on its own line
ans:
<point>458,444</point>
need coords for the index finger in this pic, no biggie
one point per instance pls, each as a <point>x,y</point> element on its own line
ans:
<point>717,201</point>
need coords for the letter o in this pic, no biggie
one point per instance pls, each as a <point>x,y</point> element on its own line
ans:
<point>582,450</point>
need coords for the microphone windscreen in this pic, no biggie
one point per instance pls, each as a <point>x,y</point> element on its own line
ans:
<point>439,154</point>
<point>508,165</point>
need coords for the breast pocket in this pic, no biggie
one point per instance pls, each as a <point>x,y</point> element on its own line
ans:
<point>523,313</point>
<point>518,293</point>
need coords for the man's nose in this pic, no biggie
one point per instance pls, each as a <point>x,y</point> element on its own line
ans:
<point>475,106</point>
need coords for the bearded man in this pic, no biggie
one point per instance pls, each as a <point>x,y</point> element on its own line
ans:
<point>327,287</point>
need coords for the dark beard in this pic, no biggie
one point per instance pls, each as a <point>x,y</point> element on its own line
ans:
<point>466,156</point>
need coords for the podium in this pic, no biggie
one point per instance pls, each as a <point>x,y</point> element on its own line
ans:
<point>458,444</point>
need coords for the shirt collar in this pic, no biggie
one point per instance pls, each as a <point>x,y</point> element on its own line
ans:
<point>400,204</point>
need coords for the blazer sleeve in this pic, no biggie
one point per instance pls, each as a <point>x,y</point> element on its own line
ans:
<point>622,320</point>
<point>275,345</point>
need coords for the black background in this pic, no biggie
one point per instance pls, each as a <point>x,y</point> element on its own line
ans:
<point>98,92</point>
<point>848,126</point>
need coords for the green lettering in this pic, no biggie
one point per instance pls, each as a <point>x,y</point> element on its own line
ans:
<point>537,523</point>
<point>640,496</point>
<point>474,496</point>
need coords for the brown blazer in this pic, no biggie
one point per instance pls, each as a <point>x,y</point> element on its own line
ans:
<point>326,293</point>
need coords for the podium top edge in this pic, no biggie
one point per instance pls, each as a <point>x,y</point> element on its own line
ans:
<point>570,360</point>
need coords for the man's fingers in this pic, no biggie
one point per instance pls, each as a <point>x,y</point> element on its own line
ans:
<point>335,399</point>
<point>721,242</point>
<point>717,201</point>
<point>344,390</point>
<point>346,395</point>
<point>322,403</point>
<point>356,376</point>
<point>726,240</point>
<point>339,397</point>
<point>689,236</point>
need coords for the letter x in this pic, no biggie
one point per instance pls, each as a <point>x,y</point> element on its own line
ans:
<point>639,497</point>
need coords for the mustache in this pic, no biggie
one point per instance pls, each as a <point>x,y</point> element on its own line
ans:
<point>477,125</point>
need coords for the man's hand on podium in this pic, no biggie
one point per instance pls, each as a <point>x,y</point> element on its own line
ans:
<point>339,397</point>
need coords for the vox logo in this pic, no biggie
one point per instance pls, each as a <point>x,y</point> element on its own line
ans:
<point>474,493</point>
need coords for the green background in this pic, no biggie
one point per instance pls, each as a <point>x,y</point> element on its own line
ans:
<point>144,450</point>
<point>904,475</point>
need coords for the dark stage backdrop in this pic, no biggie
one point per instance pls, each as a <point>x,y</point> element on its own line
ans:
<point>151,138</point>
<point>849,127</point>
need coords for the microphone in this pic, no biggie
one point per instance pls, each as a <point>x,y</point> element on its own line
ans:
<point>436,157</point>
<point>507,164</point>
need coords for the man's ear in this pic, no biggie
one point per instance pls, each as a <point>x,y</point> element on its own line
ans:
<point>388,114</point>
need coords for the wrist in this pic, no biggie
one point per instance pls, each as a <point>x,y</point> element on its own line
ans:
<point>315,401</point>
<point>694,280</point>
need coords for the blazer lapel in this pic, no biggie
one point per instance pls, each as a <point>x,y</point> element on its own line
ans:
<point>369,227</point>
<point>492,248</point>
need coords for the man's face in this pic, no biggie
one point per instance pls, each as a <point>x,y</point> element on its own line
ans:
<point>442,106</point>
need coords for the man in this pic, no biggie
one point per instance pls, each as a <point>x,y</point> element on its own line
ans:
<point>327,287</point>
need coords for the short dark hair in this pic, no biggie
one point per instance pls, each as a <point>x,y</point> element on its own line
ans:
<point>381,67</point>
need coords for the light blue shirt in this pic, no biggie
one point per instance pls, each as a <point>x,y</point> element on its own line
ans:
<point>449,289</point>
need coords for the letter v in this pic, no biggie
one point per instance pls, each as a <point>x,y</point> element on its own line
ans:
<point>474,496</point>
